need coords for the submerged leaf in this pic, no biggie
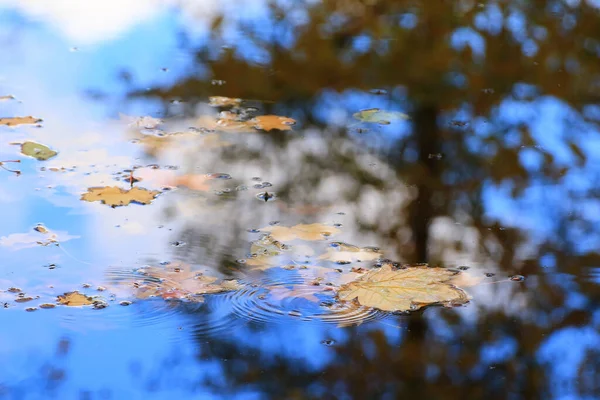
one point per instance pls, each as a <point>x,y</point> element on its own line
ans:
<point>221,101</point>
<point>404,289</point>
<point>379,116</point>
<point>345,253</point>
<point>14,121</point>
<point>37,150</point>
<point>74,299</point>
<point>271,122</point>
<point>302,231</point>
<point>179,281</point>
<point>115,196</point>
<point>141,122</point>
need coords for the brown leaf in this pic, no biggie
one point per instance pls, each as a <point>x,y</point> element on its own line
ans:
<point>115,196</point>
<point>404,289</point>
<point>301,231</point>
<point>270,122</point>
<point>74,299</point>
<point>14,121</point>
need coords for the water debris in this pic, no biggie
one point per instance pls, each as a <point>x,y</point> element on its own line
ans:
<point>272,122</point>
<point>221,101</point>
<point>8,97</point>
<point>42,237</point>
<point>15,121</point>
<point>15,171</point>
<point>36,150</point>
<point>266,196</point>
<point>74,299</point>
<point>517,278</point>
<point>315,231</point>
<point>115,197</point>
<point>379,116</point>
<point>403,290</point>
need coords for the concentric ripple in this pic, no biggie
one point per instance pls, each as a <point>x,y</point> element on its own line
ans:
<point>271,301</point>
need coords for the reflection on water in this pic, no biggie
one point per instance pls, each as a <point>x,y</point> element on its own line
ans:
<point>495,169</point>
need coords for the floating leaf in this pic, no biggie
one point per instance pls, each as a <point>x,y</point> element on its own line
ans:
<point>379,116</point>
<point>9,97</point>
<point>14,121</point>
<point>302,231</point>
<point>271,122</point>
<point>404,289</point>
<point>74,299</point>
<point>220,101</point>
<point>37,150</point>
<point>115,196</point>
<point>346,253</point>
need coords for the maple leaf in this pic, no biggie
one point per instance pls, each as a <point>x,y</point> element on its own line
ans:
<point>74,299</point>
<point>116,197</point>
<point>403,290</point>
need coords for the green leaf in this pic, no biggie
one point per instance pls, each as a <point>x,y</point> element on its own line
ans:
<point>379,116</point>
<point>37,150</point>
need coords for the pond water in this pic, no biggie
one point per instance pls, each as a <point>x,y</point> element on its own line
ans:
<point>183,245</point>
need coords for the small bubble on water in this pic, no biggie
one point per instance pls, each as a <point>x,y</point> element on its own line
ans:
<point>328,342</point>
<point>337,225</point>
<point>253,230</point>
<point>100,304</point>
<point>217,82</point>
<point>86,285</point>
<point>258,186</point>
<point>517,278</point>
<point>218,175</point>
<point>219,192</point>
<point>342,262</point>
<point>341,213</point>
<point>257,179</point>
<point>463,268</point>
<point>266,184</point>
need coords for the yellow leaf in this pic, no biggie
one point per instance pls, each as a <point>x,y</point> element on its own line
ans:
<point>14,121</point>
<point>302,232</point>
<point>115,196</point>
<point>74,299</point>
<point>220,101</point>
<point>404,289</point>
<point>270,122</point>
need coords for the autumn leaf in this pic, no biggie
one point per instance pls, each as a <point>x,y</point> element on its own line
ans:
<point>220,101</point>
<point>271,122</point>
<point>179,281</point>
<point>303,232</point>
<point>14,121</point>
<point>74,299</point>
<point>379,116</point>
<point>346,253</point>
<point>115,196</point>
<point>37,151</point>
<point>403,290</point>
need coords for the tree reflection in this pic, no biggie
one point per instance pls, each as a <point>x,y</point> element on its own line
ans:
<point>501,152</point>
